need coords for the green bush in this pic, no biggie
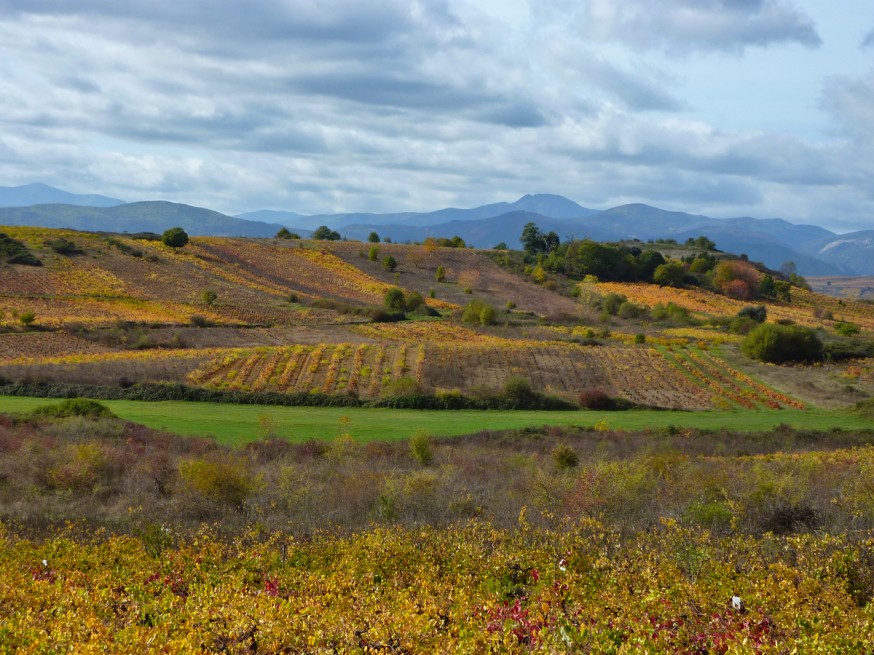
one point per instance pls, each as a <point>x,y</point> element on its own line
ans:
<point>478,311</point>
<point>776,344</point>
<point>373,254</point>
<point>421,449</point>
<point>15,252</point>
<point>175,237</point>
<point>63,246</point>
<point>565,458</point>
<point>394,300</point>
<point>73,407</point>
<point>758,313</point>
<point>847,329</point>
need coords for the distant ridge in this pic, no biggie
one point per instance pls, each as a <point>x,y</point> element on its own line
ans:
<point>43,194</point>
<point>774,241</point>
<point>148,216</point>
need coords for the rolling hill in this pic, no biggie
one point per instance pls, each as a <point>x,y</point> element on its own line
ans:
<point>292,316</point>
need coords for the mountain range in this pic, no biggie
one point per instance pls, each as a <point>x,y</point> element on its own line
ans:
<point>815,250</point>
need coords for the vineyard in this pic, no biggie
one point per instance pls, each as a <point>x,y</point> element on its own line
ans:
<point>466,589</point>
<point>295,316</point>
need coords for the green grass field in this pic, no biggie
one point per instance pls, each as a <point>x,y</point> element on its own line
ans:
<point>238,424</point>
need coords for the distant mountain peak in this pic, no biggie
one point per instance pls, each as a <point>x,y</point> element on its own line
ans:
<point>37,193</point>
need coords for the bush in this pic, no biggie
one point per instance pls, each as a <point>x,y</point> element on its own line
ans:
<point>27,318</point>
<point>373,237</point>
<point>15,252</point>
<point>758,313</point>
<point>440,276</point>
<point>394,300</point>
<point>565,458</point>
<point>73,407</point>
<point>421,449</point>
<point>669,275</point>
<point>285,234</point>
<point>175,237</point>
<point>389,263</point>
<point>63,246</point>
<point>373,254</point>
<point>208,296</point>
<point>847,329</point>
<point>777,344</point>
<point>413,300</point>
<point>478,311</point>
<point>222,480</point>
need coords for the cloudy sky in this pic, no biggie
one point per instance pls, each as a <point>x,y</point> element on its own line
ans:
<point>721,107</point>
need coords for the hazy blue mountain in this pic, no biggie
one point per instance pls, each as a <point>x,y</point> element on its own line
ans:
<point>544,204</point>
<point>43,194</point>
<point>150,216</point>
<point>815,251</point>
<point>854,250</point>
<point>483,233</point>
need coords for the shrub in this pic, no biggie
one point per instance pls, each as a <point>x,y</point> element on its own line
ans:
<point>846,329</point>
<point>413,300</point>
<point>175,237</point>
<point>421,449</point>
<point>73,407</point>
<point>565,458</point>
<point>389,263</point>
<point>63,246</point>
<point>373,237</point>
<point>629,310</point>
<point>612,302</point>
<point>478,311</point>
<point>223,480</point>
<point>758,313</point>
<point>596,399</point>
<point>440,276</point>
<point>394,300</point>
<point>671,312</point>
<point>15,252</point>
<point>782,343</point>
<point>208,296</point>
<point>27,318</point>
<point>519,393</point>
<point>669,275</point>
<point>373,254</point>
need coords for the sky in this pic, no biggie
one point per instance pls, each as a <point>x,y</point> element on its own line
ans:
<point>758,108</point>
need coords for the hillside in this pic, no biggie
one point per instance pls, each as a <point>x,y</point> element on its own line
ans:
<point>295,316</point>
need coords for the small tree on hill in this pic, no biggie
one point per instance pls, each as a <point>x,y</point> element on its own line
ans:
<point>394,299</point>
<point>390,263</point>
<point>324,233</point>
<point>175,237</point>
<point>373,237</point>
<point>208,297</point>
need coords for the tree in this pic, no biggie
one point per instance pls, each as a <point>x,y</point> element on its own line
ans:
<point>669,275</point>
<point>373,255</point>
<point>285,234</point>
<point>500,246</point>
<point>324,233</point>
<point>208,297</point>
<point>394,299</point>
<point>27,318</point>
<point>175,237</point>
<point>390,263</point>
<point>373,237</point>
